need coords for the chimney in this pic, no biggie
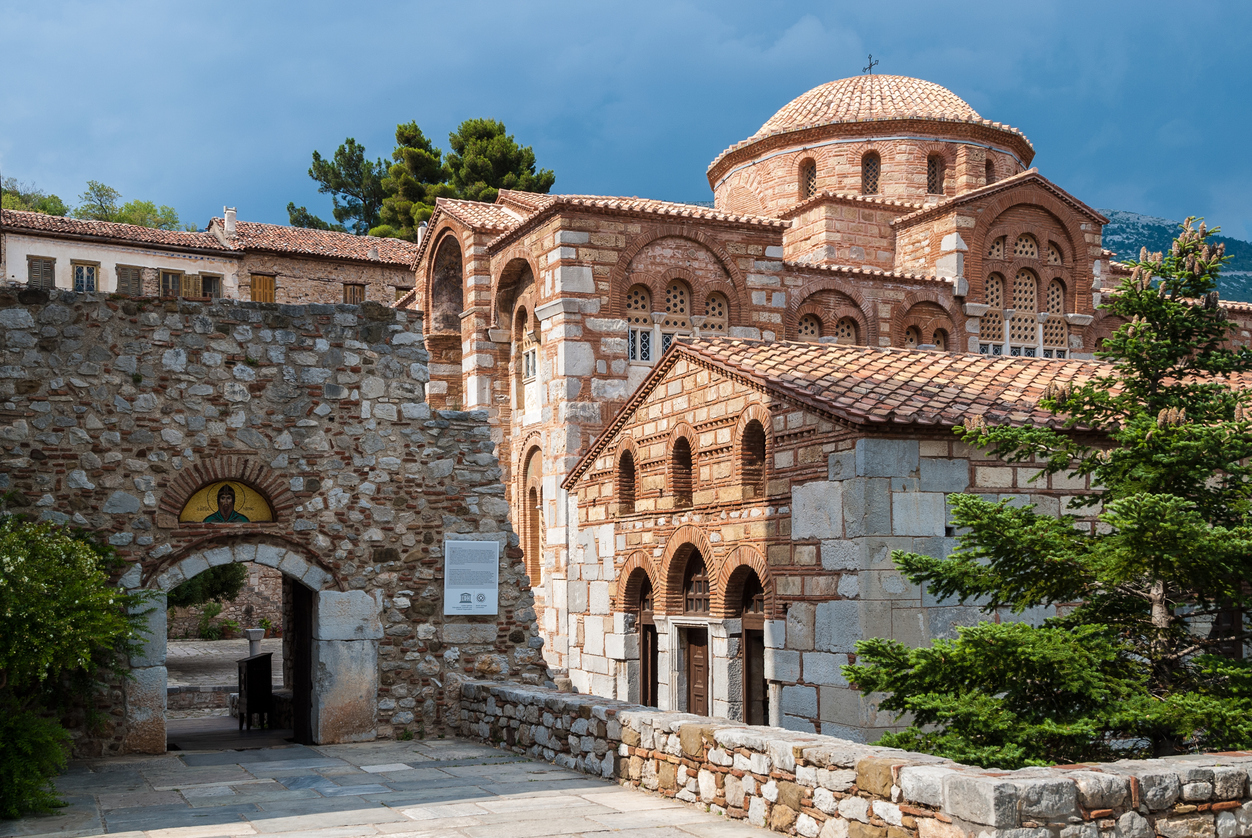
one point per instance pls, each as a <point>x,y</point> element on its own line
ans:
<point>373,254</point>
<point>230,214</point>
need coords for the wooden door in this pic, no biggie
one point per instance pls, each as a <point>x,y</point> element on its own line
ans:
<point>755,693</point>
<point>647,665</point>
<point>302,664</point>
<point>698,671</point>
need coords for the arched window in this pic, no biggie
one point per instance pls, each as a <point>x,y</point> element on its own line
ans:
<point>626,483</point>
<point>1023,326</point>
<point>639,321</point>
<point>1026,247</point>
<point>912,337</point>
<point>940,340</point>
<point>934,174</point>
<point>532,548</point>
<point>871,168</point>
<point>716,313</point>
<point>991,325</point>
<point>1055,329</point>
<point>991,171</point>
<point>677,312</point>
<point>846,332</point>
<point>681,477</point>
<point>528,363</point>
<point>752,459</point>
<point>996,251</point>
<point>808,179</point>
<point>1054,254</point>
<point>809,328</point>
<point>696,586</point>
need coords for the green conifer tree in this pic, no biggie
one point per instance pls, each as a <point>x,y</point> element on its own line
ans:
<point>485,159</point>
<point>1144,660</point>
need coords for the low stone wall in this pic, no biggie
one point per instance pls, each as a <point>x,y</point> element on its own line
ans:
<point>812,785</point>
<point>198,697</point>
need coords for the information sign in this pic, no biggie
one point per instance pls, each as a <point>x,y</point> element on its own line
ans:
<point>471,577</point>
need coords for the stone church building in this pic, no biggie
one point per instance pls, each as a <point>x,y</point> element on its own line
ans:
<point>715,423</point>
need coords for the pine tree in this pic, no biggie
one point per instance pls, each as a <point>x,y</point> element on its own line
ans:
<point>1145,659</point>
<point>412,184</point>
<point>485,159</point>
<point>355,185</point>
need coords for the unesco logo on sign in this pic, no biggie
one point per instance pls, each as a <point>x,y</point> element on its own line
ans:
<point>465,598</point>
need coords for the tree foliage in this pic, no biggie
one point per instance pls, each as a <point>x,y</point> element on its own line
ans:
<point>61,624</point>
<point>355,184</point>
<point>221,583</point>
<point>100,202</point>
<point>1144,657</point>
<point>394,200</point>
<point>29,198</point>
<point>301,217</point>
<point>485,159</point>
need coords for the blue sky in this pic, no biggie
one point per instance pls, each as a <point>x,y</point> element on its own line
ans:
<point>1139,106</point>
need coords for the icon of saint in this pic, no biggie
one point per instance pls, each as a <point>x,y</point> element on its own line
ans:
<point>226,513</point>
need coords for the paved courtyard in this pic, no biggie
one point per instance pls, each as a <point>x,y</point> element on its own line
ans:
<point>404,789</point>
<point>208,663</point>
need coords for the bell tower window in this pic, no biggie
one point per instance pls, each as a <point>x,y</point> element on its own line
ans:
<point>871,168</point>
<point>639,321</point>
<point>934,174</point>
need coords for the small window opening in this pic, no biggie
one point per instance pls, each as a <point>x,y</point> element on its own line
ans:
<point>934,174</point>
<point>871,168</point>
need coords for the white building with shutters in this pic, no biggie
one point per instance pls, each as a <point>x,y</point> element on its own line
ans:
<point>51,251</point>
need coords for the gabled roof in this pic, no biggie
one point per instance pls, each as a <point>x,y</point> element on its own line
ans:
<point>56,225</point>
<point>827,197</point>
<point>277,238</point>
<point>1028,176</point>
<point>800,266</point>
<point>868,386</point>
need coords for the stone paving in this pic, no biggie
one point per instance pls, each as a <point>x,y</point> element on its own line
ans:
<point>413,789</point>
<point>207,663</point>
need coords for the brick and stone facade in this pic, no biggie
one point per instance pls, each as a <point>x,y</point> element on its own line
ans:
<point>117,411</point>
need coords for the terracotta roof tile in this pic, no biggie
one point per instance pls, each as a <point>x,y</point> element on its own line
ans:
<point>799,266</point>
<point>59,225</point>
<point>276,238</point>
<point>481,216</point>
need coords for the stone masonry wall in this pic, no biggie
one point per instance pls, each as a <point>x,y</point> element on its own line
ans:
<point>114,412</point>
<point>822,787</point>
<point>302,280</point>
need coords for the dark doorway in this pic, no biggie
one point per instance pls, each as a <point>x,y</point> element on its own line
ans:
<point>647,648</point>
<point>698,671</point>
<point>755,690</point>
<point>301,635</point>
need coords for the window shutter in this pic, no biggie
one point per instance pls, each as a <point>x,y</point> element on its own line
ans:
<point>191,285</point>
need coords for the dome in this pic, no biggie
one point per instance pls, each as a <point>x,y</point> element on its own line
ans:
<point>869,98</point>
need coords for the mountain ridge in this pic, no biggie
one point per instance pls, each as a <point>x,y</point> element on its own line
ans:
<point>1127,232</point>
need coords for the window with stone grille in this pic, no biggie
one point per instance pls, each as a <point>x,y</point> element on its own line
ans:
<point>40,272</point>
<point>1054,254</point>
<point>639,321</point>
<point>1023,332</point>
<point>846,332</point>
<point>940,340</point>
<point>1026,247</point>
<point>353,294</point>
<point>934,174</point>
<point>991,172</point>
<point>809,328</point>
<point>1055,329</point>
<point>991,325</point>
<point>696,586</point>
<point>808,179</point>
<point>85,277</point>
<point>871,168</point>
<point>912,337</point>
<point>996,251</point>
<point>530,356</point>
<point>677,312</point>
<point>716,313</point>
<point>171,283</point>
<point>129,281</point>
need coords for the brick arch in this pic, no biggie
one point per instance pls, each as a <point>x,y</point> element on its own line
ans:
<point>912,312</point>
<point>625,445</point>
<point>254,474</point>
<point>859,311</point>
<point>463,239</point>
<point>505,282</point>
<point>668,598</point>
<point>295,560</point>
<point>654,284</point>
<point>680,431</point>
<point>620,270</point>
<point>629,576</point>
<point>1103,326</point>
<point>762,415</point>
<point>731,573</point>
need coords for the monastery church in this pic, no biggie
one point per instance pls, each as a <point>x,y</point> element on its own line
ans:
<point>716,423</point>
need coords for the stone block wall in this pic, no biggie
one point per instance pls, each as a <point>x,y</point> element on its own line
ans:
<point>115,412</point>
<point>822,787</point>
<point>300,280</point>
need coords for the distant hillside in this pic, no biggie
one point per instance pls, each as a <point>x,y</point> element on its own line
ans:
<point>1128,231</point>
